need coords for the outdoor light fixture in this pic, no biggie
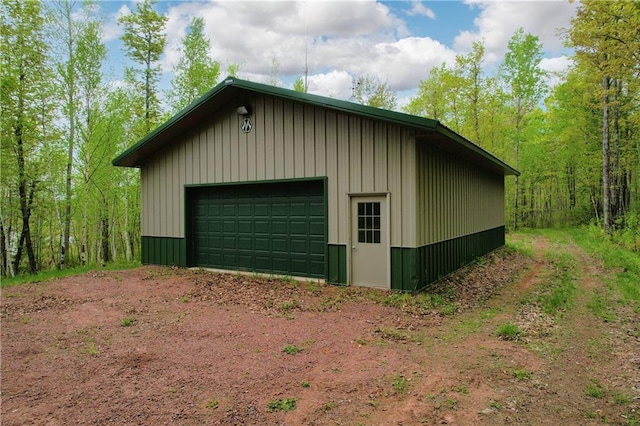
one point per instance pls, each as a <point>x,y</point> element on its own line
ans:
<point>243,110</point>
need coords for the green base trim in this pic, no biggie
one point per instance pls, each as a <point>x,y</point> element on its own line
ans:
<point>337,264</point>
<point>166,251</point>
<point>413,269</point>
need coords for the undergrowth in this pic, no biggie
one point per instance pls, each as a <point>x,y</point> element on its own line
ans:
<point>44,276</point>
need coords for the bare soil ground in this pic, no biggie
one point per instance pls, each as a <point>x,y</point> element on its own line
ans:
<point>165,346</point>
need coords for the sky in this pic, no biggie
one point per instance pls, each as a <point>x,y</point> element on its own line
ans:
<point>397,41</point>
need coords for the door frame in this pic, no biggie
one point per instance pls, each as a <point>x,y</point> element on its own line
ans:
<point>354,196</point>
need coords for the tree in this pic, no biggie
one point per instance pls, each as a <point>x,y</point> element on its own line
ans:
<point>26,111</point>
<point>196,72</point>
<point>525,82</point>
<point>144,39</point>
<point>94,152</point>
<point>299,85</point>
<point>370,90</point>
<point>469,71</point>
<point>606,39</point>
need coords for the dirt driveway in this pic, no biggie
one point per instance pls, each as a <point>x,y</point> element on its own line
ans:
<point>163,346</point>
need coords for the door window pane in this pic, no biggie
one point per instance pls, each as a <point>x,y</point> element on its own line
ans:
<point>369,223</point>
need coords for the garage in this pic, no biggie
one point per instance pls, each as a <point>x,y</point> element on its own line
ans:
<point>277,227</point>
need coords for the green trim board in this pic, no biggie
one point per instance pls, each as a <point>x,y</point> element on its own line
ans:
<point>337,264</point>
<point>413,269</point>
<point>165,251</point>
<point>232,92</point>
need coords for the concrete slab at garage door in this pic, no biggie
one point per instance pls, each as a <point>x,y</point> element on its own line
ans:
<point>277,227</point>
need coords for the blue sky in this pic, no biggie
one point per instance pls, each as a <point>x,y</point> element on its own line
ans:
<point>398,41</point>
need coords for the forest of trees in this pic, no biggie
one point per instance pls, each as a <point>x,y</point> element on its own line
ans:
<point>63,204</point>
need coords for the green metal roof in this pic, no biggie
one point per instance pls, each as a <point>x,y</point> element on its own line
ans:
<point>232,89</point>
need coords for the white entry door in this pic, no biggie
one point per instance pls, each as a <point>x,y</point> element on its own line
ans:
<point>369,242</point>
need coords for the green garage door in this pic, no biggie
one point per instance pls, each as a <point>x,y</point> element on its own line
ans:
<point>277,228</point>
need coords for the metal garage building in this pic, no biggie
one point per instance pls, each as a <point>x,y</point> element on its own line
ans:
<point>252,177</point>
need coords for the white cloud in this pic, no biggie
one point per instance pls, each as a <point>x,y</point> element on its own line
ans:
<point>111,30</point>
<point>420,9</point>
<point>357,37</point>
<point>498,20</point>
<point>335,84</point>
<point>556,67</point>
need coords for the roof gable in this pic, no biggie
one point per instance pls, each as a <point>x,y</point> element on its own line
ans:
<point>234,90</point>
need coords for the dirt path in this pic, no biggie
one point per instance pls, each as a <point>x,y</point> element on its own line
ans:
<point>164,346</point>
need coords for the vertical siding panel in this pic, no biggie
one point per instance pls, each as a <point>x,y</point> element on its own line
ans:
<point>278,135</point>
<point>381,166</point>
<point>299,143</point>
<point>309,142</point>
<point>368,157</point>
<point>395,186</point>
<point>270,141</point>
<point>157,196</point>
<point>203,156</point>
<point>181,164</point>
<point>211,155</point>
<point>218,141</point>
<point>355,154</point>
<point>226,150</point>
<point>176,206</point>
<point>332,175</point>
<point>251,145</point>
<point>234,143</point>
<point>342,128</point>
<point>260,153</point>
<point>289,154</point>
<point>167,197</point>
<point>320,146</point>
<point>409,189</point>
<point>195,158</point>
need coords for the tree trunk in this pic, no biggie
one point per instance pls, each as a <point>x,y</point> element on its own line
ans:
<point>606,160</point>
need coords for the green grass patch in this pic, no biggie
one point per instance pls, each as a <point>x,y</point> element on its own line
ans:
<point>127,322</point>
<point>291,350</point>
<point>286,404</point>
<point>400,384</point>
<point>595,389</point>
<point>213,404</point>
<point>521,374</point>
<point>509,331</point>
<point>624,262</point>
<point>44,276</point>
<point>561,289</point>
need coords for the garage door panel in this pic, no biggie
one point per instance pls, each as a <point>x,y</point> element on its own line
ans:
<point>273,227</point>
<point>280,245</point>
<point>279,227</point>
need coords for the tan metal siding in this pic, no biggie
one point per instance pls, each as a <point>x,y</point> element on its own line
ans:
<point>455,198</point>
<point>288,140</point>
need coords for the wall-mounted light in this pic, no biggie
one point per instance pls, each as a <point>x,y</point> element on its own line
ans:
<point>243,110</point>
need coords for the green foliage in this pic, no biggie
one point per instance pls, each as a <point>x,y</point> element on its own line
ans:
<point>299,85</point>
<point>370,90</point>
<point>509,331</point>
<point>400,384</point>
<point>127,322</point>
<point>286,404</point>
<point>521,374</point>
<point>145,39</point>
<point>595,389</point>
<point>291,350</point>
<point>561,288</point>
<point>196,72</point>
<point>624,262</point>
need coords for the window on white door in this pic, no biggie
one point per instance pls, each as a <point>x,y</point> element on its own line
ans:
<point>369,222</point>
